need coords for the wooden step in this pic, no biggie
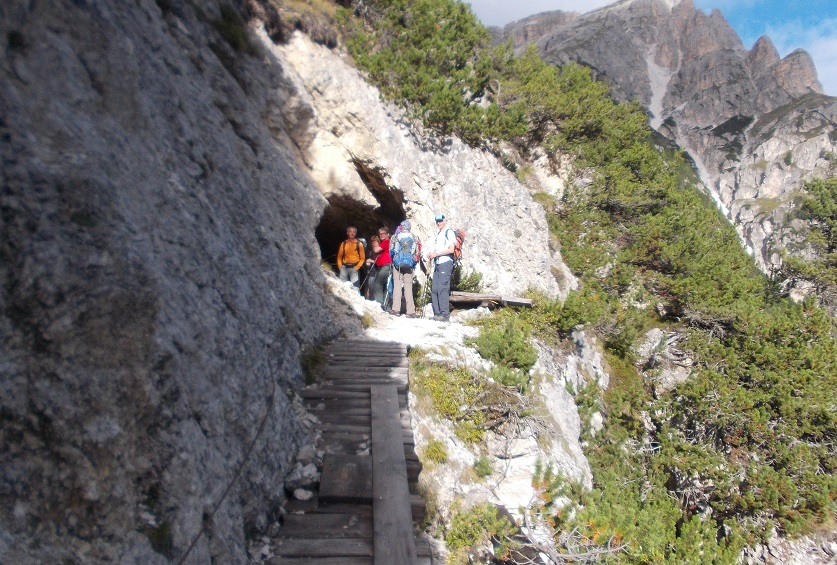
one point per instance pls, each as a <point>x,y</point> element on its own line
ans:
<point>346,479</point>
<point>327,525</point>
<point>392,520</point>
<point>311,547</point>
<point>321,561</point>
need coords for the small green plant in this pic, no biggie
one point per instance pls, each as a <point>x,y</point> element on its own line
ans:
<point>479,526</point>
<point>465,281</point>
<point>510,377</point>
<point>368,320</point>
<point>453,393</point>
<point>482,467</point>
<point>506,342</point>
<point>522,173</point>
<point>548,484</point>
<point>436,451</point>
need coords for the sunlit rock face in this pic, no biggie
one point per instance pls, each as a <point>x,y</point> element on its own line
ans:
<point>756,125</point>
<point>361,150</point>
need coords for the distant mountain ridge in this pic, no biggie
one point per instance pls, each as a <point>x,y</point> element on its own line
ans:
<point>757,125</point>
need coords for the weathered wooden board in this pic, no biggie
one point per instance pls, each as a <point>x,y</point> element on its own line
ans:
<point>327,525</point>
<point>458,297</point>
<point>402,388</point>
<point>321,561</point>
<point>347,428</point>
<point>323,393</point>
<point>337,379</point>
<point>301,547</point>
<point>392,519</point>
<point>330,404</point>
<point>389,361</point>
<point>346,479</point>
<point>365,371</point>
<point>354,418</point>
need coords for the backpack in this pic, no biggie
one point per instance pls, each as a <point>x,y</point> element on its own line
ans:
<point>404,251</point>
<point>457,248</point>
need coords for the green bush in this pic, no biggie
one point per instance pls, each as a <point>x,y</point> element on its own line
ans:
<point>506,343</point>
<point>510,377</point>
<point>482,467</point>
<point>436,451</point>
<point>453,393</point>
<point>818,207</point>
<point>478,526</point>
<point>465,281</point>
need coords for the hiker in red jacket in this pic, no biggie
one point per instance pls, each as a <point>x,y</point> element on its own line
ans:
<point>383,267</point>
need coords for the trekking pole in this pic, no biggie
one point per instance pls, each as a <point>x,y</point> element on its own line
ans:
<point>387,294</point>
<point>369,270</point>
<point>427,281</point>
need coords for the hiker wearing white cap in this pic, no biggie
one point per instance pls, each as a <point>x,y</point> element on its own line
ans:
<point>442,256</point>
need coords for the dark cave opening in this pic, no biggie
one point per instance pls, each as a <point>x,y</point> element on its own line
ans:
<point>343,211</point>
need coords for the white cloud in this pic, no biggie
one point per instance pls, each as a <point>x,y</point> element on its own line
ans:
<point>819,41</point>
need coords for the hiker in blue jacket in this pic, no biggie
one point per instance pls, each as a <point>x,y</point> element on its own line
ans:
<point>404,248</point>
<point>442,256</point>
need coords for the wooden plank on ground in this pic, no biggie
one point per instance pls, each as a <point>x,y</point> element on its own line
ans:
<point>321,561</point>
<point>392,517</point>
<point>393,361</point>
<point>323,547</point>
<point>364,371</point>
<point>323,393</point>
<point>346,478</point>
<point>337,380</point>
<point>517,301</point>
<point>322,525</point>
<point>402,388</point>
<point>458,297</point>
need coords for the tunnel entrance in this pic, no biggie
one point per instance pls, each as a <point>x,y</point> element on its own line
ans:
<point>343,211</point>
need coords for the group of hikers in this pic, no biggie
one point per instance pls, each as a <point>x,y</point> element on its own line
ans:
<point>389,263</point>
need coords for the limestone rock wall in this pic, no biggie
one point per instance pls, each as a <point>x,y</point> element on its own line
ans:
<point>357,146</point>
<point>158,277</point>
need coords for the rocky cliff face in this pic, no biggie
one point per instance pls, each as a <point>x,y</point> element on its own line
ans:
<point>755,125</point>
<point>163,181</point>
<point>159,277</point>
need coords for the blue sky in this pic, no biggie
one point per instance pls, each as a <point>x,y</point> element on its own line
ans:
<point>790,24</point>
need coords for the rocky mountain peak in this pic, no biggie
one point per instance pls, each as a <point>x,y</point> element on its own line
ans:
<point>762,56</point>
<point>797,75</point>
<point>707,92</point>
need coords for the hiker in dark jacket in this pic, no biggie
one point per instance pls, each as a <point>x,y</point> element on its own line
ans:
<point>374,250</point>
<point>350,256</point>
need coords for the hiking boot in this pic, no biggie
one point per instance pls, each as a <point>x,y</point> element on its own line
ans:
<point>441,318</point>
<point>394,313</point>
<point>412,315</point>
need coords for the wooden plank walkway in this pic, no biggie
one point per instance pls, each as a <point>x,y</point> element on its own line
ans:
<point>367,506</point>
